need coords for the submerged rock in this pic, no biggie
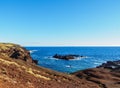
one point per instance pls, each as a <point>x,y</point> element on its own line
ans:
<point>67,57</point>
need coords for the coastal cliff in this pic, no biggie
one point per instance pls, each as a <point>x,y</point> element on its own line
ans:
<point>18,70</point>
<point>15,52</point>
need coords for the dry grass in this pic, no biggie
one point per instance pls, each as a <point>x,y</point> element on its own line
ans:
<point>37,75</point>
<point>28,70</point>
<point>5,46</point>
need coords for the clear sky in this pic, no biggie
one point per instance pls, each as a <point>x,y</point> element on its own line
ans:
<point>60,22</point>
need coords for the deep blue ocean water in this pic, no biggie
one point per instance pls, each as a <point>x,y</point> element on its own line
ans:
<point>95,56</point>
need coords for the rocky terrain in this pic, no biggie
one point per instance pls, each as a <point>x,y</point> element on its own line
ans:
<point>106,75</point>
<point>19,70</point>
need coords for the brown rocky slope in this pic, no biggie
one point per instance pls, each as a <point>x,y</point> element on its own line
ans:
<point>106,75</point>
<point>18,70</point>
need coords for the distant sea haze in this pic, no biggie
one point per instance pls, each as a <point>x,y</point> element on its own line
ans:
<point>94,56</point>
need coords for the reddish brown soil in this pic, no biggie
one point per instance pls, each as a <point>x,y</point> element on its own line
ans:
<point>21,75</point>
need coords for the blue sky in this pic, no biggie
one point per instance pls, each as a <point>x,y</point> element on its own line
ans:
<point>60,22</point>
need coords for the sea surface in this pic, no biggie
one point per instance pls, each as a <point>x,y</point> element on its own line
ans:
<point>94,56</point>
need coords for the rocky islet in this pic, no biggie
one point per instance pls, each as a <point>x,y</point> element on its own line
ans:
<point>67,57</point>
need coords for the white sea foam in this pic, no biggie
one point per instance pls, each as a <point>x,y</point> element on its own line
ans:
<point>97,63</point>
<point>68,66</point>
<point>80,58</point>
<point>32,51</point>
<point>50,57</point>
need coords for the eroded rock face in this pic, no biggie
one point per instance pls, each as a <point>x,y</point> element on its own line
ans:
<point>15,52</point>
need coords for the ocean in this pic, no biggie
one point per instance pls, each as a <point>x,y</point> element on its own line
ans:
<point>94,56</point>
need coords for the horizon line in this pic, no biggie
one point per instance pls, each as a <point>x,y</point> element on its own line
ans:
<point>71,45</point>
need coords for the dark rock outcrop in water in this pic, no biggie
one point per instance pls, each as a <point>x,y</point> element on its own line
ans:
<point>66,57</point>
<point>113,65</point>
